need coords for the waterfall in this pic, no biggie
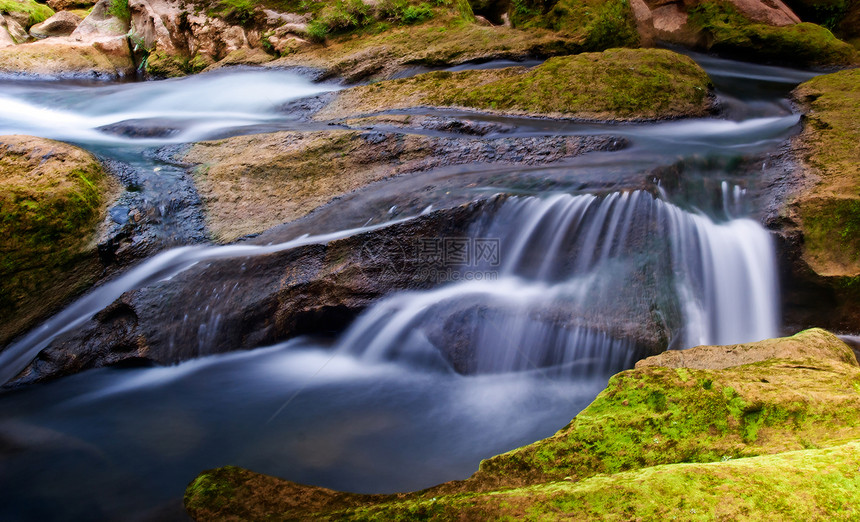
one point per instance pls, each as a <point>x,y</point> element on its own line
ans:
<point>585,284</point>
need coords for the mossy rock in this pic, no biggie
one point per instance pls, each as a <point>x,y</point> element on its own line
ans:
<point>618,84</point>
<point>52,197</point>
<point>36,12</point>
<point>658,442</point>
<point>452,38</point>
<point>805,44</point>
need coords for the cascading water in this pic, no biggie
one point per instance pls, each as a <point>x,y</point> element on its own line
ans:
<point>580,287</point>
<point>585,283</point>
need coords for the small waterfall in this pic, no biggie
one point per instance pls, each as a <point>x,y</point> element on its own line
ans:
<point>585,284</point>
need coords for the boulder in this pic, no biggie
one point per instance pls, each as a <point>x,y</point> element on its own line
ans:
<point>53,197</point>
<point>11,28</point>
<point>818,216</point>
<point>106,58</point>
<point>596,86</point>
<point>25,12</point>
<point>63,23</point>
<point>100,24</point>
<point>6,39</point>
<point>714,443</point>
<point>752,30</point>
<point>68,5</point>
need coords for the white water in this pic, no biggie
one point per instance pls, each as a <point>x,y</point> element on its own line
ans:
<point>192,108</point>
<point>566,258</point>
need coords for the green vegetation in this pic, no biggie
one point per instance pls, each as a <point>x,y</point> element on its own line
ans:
<point>619,84</point>
<point>596,24</point>
<point>802,44</point>
<point>236,11</point>
<point>37,12</point>
<point>51,198</point>
<point>163,65</point>
<point>777,437</point>
<point>119,9</point>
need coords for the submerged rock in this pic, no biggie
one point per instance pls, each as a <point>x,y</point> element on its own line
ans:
<point>618,84</point>
<point>53,197</point>
<point>652,430</point>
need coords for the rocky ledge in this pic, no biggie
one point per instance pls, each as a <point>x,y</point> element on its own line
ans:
<point>818,220</point>
<point>714,432</point>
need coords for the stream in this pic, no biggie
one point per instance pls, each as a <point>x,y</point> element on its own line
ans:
<point>663,232</point>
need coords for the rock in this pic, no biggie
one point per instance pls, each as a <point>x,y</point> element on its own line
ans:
<point>653,428</point>
<point>773,12</point>
<point>274,18</point>
<point>53,197</point>
<point>63,23</point>
<point>107,58</point>
<point>746,29</point>
<point>815,343</point>
<point>100,24</point>
<point>68,5</point>
<point>818,218</point>
<point>312,289</point>
<point>182,42</point>
<point>251,183</point>
<point>596,86</point>
<point>6,39</point>
<point>25,12</point>
<point>11,28</point>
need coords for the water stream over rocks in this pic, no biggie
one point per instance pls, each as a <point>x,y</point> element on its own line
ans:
<point>510,324</point>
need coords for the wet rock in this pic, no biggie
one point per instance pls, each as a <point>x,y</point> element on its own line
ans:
<point>244,303</point>
<point>251,183</point>
<point>53,198</point>
<point>815,206</point>
<point>63,23</point>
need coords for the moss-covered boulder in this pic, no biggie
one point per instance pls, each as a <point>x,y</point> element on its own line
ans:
<point>618,84</point>
<point>52,197</point>
<point>446,39</point>
<point>658,442</point>
<point>28,12</point>
<point>730,33</point>
<point>252,183</point>
<point>820,220</point>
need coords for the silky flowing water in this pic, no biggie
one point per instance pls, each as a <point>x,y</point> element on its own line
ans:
<point>583,258</point>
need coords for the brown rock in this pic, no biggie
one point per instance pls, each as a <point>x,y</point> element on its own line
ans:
<point>63,23</point>
<point>67,5</point>
<point>815,343</point>
<point>14,29</point>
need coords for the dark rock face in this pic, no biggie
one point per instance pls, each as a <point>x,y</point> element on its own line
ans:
<point>245,303</point>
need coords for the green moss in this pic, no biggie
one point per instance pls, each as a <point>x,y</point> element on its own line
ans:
<point>37,12</point>
<point>653,415</point>
<point>163,65</point>
<point>802,44</point>
<point>120,9</point>
<point>210,489</point>
<point>597,25</point>
<point>616,84</point>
